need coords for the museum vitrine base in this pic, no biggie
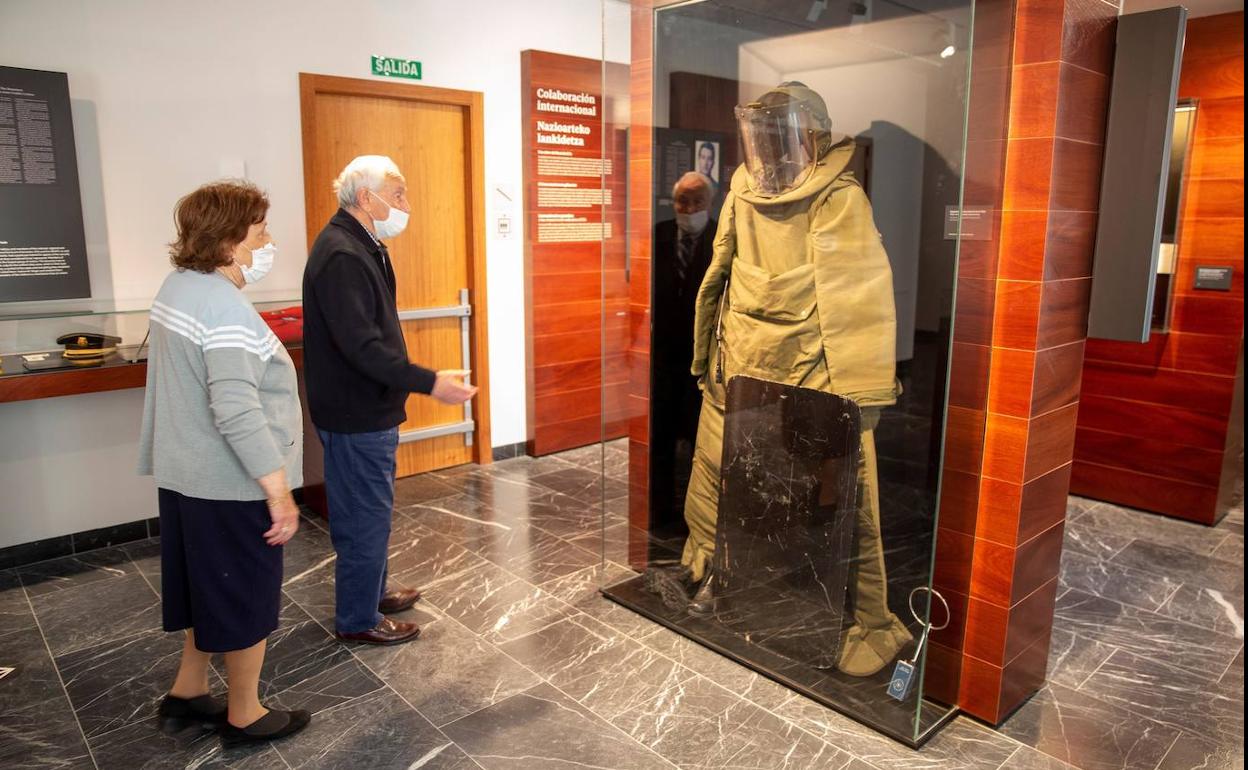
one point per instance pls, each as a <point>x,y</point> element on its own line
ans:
<point>862,699</point>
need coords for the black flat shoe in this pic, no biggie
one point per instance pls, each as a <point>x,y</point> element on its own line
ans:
<point>176,714</point>
<point>270,727</point>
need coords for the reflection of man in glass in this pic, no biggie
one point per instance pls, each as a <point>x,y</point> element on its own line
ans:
<point>706,160</point>
<point>682,253</point>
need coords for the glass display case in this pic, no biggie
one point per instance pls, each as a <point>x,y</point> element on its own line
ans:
<point>794,168</point>
<point>31,332</point>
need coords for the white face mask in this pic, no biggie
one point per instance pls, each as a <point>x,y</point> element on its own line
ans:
<point>692,223</point>
<point>261,263</point>
<point>393,224</point>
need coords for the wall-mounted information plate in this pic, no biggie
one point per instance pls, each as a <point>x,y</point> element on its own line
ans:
<point>1213,278</point>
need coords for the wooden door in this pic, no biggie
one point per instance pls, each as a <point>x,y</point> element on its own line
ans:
<point>435,137</point>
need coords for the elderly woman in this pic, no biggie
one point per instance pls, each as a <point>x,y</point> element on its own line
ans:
<point>222,434</point>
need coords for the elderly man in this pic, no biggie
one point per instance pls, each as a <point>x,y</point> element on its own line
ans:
<point>358,380</point>
<point>682,253</point>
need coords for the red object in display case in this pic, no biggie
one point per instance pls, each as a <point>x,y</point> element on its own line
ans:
<point>286,323</point>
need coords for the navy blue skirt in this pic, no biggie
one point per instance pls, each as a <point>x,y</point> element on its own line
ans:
<point>218,575</point>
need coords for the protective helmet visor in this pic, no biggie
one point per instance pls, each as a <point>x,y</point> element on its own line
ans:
<point>779,143</point>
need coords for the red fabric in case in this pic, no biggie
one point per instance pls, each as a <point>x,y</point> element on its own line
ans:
<point>286,323</point>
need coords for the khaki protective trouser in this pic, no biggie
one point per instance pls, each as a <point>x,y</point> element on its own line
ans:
<point>877,634</point>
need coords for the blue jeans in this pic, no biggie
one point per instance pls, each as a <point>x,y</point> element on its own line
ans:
<point>359,482</point>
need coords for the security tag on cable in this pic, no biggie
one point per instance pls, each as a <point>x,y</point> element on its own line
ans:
<point>903,673</point>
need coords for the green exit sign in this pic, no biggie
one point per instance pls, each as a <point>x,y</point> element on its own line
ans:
<point>388,66</point>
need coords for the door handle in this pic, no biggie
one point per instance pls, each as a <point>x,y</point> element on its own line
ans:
<point>462,311</point>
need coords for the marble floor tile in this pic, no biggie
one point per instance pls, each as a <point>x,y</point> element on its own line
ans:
<point>503,505</point>
<point>448,672</point>
<point>1233,522</point>
<point>1027,758</point>
<point>146,557</point>
<point>1146,658</point>
<point>727,673</point>
<point>1169,696</point>
<point>615,616</point>
<point>42,735</point>
<point>961,745</point>
<point>538,556</point>
<point>421,488</point>
<point>1185,566</point>
<point>306,668</point>
<point>1153,528</point>
<point>1234,676</point>
<point>419,556</point>
<point>309,548</point>
<point>610,543</point>
<point>378,732</point>
<point>141,746</point>
<point>34,679</point>
<point>1208,608</point>
<point>37,724</point>
<point>587,583</point>
<point>1092,542</point>
<point>1112,580</point>
<point>70,571</point>
<point>313,592</point>
<point>582,484</point>
<point>543,729</point>
<point>608,673</point>
<point>521,469</point>
<point>1073,658</point>
<point>494,604</point>
<point>1077,506</point>
<point>1232,549</point>
<point>129,604</point>
<point>15,611</point>
<point>597,457</point>
<point>697,724</point>
<point>1087,732</point>
<point>469,522</point>
<point>586,457</point>
<point>1193,753</point>
<point>122,682</point>
<point>1147,634</point>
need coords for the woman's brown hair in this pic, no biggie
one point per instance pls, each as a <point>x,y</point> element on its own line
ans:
<point>212,220</point>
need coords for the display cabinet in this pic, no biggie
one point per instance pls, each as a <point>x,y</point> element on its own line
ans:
<point>32,364</point>
<point>794,221</point>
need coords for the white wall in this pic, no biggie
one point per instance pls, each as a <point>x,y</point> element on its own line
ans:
<point>168,94</point>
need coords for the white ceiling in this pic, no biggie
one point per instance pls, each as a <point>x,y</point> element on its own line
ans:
<point>1194,7</point>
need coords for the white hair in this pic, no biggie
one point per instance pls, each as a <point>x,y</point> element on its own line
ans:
<point>695,176</point>
<point>367,172</point>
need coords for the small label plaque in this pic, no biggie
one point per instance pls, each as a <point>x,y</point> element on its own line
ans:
<point>1214,278</point>
<point>974,222</point>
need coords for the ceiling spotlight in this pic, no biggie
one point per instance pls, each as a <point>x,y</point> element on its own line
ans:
<point>948,51</point>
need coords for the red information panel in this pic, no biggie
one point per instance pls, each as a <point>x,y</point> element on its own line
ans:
<point>576,283</point>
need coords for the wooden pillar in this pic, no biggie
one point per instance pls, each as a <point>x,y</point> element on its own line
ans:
<point>1058,94</point>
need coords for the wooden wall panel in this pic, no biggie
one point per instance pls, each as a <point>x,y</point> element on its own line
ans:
<point>574,292</point>
<point>1156,434</point>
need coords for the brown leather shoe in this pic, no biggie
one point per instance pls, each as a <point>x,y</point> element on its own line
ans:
<point>398,600</point>
<point>386,632</point>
